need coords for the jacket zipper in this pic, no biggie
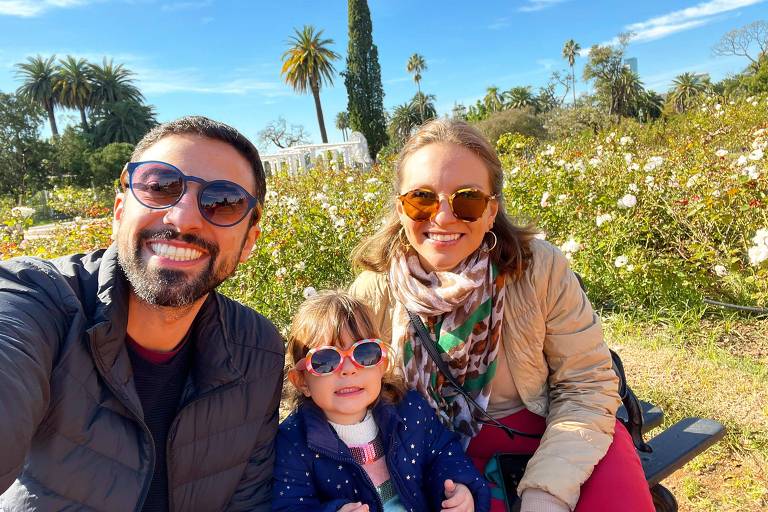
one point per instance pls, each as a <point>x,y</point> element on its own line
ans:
<point>346,460</point>
<point>174,426</point>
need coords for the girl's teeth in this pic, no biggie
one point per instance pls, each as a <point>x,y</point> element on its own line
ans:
<point>443,237</point>
<point>345,391</point>
<point>175,253</point>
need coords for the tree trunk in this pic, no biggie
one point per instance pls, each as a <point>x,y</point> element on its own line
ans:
<point>83,120</point>
<point>319,110</point>
<point>573,83</point>
<point>52,121</point>
<point>421,102</point>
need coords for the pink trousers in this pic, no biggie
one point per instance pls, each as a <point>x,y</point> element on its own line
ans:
<point>617,482</point>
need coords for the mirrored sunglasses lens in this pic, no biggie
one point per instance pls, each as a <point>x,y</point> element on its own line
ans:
<point>223,203</point>
<point>325,360</point>
<point>157,185</point>
<point>420,204</point>
<point>469,204</point>
<point>367,354</point>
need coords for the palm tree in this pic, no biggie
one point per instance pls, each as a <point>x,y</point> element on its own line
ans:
<point>307,65</point>
<point>74,86</point>
<point>122,121</point>
<point>519,97</point>
<point>426,105</point>
<point>342,123</point>
<point>685,88</point>
<point>40,76</point>
<point>651,106</point>
<point>492,100</point>
<point>112,83</point>
<point>628,91</point>
<point>405,118</point>
<point>417,64</point>
<point>570,51</point>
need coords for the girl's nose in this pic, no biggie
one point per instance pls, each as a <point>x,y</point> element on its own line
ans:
<point>348,367</point>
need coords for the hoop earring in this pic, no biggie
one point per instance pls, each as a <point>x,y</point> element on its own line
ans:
<point>403,239</point>
<point>495,241</point>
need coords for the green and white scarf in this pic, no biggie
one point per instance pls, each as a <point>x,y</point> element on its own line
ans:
<point>462,310</point>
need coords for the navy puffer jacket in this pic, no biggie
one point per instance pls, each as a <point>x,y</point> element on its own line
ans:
<point>315,471</point>
<point>72,435</point>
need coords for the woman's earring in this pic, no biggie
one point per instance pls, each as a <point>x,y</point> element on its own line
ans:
<point>495,241</point>
<point>403,239</point>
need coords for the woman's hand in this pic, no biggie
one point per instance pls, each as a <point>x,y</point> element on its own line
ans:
<point>354,507</point>
<point>459,498</point>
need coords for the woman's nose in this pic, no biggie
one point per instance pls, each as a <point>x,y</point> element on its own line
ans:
<point>444,213</point>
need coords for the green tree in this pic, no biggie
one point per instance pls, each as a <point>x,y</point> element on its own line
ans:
<point>477,112</point>
<point>651,106</point>
<point>519,97</point>
<point>74,86</point>
<point>106,163</point>
<point>492,100</point>
<point>425,104</point>
<point>685,89</point>
<point>112,83</point>
<point>459,111</point>
<point>122,121</point>
<point>70,157</point>
<point>405,119</point>
<point>616,86</point>
<point>24,158</point>
<point>417,64</point>
<point>342,123</point>
<point>362,78</point>
<point>570,51</point>
<point>307,65</point>
<point>40,76</point>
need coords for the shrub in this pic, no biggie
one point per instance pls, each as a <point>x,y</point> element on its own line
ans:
<point>522,121</point>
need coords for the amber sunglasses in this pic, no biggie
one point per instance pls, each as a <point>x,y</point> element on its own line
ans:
<point>467,204</point>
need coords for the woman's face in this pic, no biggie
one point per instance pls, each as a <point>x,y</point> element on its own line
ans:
<point>444,241</point>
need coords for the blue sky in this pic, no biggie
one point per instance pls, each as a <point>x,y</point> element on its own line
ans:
<point>221,58</point>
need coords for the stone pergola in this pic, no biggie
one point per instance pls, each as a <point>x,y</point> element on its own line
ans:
<point>300,158</point>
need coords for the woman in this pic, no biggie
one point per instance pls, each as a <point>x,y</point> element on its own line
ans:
<point>521,336</point>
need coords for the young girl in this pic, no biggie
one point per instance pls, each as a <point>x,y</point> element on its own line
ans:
<point>357,441</point>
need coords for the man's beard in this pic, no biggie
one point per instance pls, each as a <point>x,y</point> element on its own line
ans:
<point>171,288</point>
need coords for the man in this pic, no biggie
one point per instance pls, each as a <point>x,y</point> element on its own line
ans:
<point>126,382</point>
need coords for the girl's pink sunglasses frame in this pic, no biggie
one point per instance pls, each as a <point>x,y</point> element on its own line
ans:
<point>305,363</point>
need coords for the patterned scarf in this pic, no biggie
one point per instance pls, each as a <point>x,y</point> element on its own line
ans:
<point>462,310</point>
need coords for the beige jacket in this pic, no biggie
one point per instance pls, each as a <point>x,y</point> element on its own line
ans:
<point>558,362</point>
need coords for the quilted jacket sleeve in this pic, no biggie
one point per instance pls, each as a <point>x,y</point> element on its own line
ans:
<point>33,324</point>
<point>583,396</point>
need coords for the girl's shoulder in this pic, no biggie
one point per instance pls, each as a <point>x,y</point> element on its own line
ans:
<point>414,407</point>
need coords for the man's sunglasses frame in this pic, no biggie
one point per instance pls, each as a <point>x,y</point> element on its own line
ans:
<point>131,168</point>
<point>412,209</point>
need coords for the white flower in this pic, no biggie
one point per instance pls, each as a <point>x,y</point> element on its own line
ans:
<point>281,272</point>
<point>751,171</point>
<point>742,160</point>
<point>333,209</point>
<point>718,107</point>
<point>560,163</point>
<point>758,254</point>
<point>721,271</point>
<point>625,140</point>
<point>653,163</point>
<point>369,196</point>
<point>549,151</point>
<point>692,180</point>
<point>308,292</point>
<point>760,132</point>
<point>514,171</point>
<point>562,197</point>
<point>23,211</point>
<point>602,219</point>
<point>594,162</point>
<point>628,158</point>
<point>579,165</point>
<point>300,266</point>
<point>633,187</point>
<point>650,181</point>
<point>756,154</point>
<point>721,152</point>
<point>370,181</point>
<point>339,223</point>
<point>628,201</point>
<point>544,199</point>
<point>761,237</point>
<point>634,166</point>
<point>570,246</point>
<point>350,179</point>
<point>620,261</point>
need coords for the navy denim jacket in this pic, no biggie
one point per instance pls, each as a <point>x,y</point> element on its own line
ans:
<point>314,469</point>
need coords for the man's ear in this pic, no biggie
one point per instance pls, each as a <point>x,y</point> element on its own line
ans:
<point>117,213</point>
<point>297,379</point>
<point>254,232</point>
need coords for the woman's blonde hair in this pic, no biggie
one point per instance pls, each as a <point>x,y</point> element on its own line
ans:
<point>511,253</point>
<point>322,320</point>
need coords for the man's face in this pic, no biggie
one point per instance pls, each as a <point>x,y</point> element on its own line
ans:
<point>172,257</point>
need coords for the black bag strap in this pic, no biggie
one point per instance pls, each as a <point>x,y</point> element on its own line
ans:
<point>426,342</point>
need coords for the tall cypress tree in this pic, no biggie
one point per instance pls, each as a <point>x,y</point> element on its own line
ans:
<point>363,79</point>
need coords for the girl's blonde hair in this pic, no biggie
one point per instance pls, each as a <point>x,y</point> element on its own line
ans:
<point>511,254</point>
<point>322,320</point>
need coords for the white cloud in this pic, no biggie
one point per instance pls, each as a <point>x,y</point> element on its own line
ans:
<point>185,6</point>
<point>539,5</point>
<point>188,80</point>
<point>500,23</point>
<point>31,8</point>
<point>684,19</point>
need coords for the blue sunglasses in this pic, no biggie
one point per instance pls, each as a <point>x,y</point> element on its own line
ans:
<point>159,185</point>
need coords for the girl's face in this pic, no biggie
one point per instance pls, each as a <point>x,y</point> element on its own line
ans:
<point>344,395</point>
<point>444,241</point>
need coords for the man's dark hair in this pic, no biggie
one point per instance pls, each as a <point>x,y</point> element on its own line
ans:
<point>210,129</point>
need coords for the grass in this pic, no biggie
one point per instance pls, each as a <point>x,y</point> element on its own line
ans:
<point>714,368</point>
